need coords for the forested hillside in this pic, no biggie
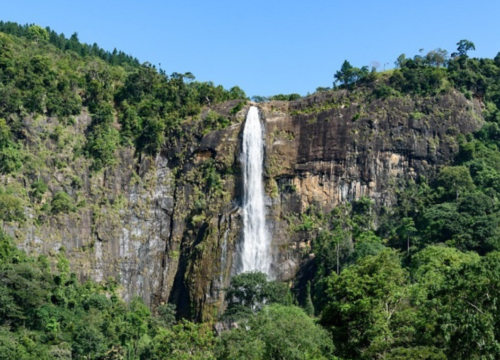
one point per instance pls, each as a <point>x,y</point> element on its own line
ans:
<point>416,276</point>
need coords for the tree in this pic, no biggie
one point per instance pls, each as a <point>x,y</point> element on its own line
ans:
<point>430,265</point>
<point>166,315</point>
<point>497,59</point>
<point>62,203</point>
<point>38,189</point>
<point>237,93</point>
<point>277,332</point>
<point>416,353</point>
<point>349,75</point>
<point>5,134</point>
<point>10,159</point>
<point>363,302</point>
<point>249,291</point>
<point>37,33</point>
<point>400,61</point>
<point>455,180</point>
<point>102,142</point>
<point>152,136</point>
<point>137,316</point>
<point>285,97</point>
<point>259,99</point>
<point>441,222</point>
<point>89,341</point>
<point>437,57</point>
<point>406,229</point>
<point>465,46</point>
<point>366,244</point>
<point>184,341</point>
<point>12,206</point>
<point>465,309</point>
<point>309,306</point>
<point>346,74</point>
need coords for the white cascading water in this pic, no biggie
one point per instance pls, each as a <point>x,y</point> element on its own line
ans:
<point>255,252</point>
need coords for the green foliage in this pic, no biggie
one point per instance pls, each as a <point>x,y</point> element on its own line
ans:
<point>430,74</point>
<point>367,244</point>
<point>184,341</point>
<point>362,302</point>
<point>416,353</point>
<point>214,121</point>
<point>62,203</point>
<point>10,158</point>
<point>417,78</point>
<point>258,98</point>
<point>249,291</point>
<point>102,143</point>
<point>238,107</point>
<point>130,104</point>
<point>38,189</point>
<point>430,265</point>
<point>447,310</point>
<point>468,309</point>
<point>12,206</point>
<point>309,306</point>
<point>283,97</point>
<point>455,180</point>
<point>348,75</point>
<point>37,33</point>
<point>465,46</point>
<point>310,220</point>
<point>437,57</point>
<point>166,315</point>
<point>277,332</point>
<point>383,91</point>
<point>46,314</point>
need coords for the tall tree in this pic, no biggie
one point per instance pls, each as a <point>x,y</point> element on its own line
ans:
<point>465,46</point>
<point>346,74</point>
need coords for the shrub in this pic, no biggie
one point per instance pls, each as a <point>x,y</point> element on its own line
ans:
<point>38,189</point>
<point>62,203</point>
<point>11,207</point>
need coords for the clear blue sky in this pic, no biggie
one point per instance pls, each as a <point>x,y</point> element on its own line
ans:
<point>268,46</point>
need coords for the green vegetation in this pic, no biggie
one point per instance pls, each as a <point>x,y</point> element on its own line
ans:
<point>249,292</point>
<point>430,74</point>
<point>214,121</point>
<point>11,205</point>
<point>131,104</point>
<point>39,34</point>
<point>348,74</point>
<point>277,332</point>
<point>417,280</point>
<point>62,202</point>
<point>279,97</point>
<point>49,314</point>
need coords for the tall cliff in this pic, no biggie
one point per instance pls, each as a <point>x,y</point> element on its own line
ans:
<point>168,227</point>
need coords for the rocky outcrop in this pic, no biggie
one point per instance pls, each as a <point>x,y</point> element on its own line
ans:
<point>331,148</point>
<point>168,228</point>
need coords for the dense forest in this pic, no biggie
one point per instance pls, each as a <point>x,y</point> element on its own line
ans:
<point>417,280</point>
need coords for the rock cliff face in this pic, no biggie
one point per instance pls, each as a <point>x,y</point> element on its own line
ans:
<point>169,228</point>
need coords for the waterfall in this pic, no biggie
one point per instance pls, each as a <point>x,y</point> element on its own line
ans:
<point>255,249</point>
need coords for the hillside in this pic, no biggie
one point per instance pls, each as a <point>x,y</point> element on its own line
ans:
<point>121,192</point>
